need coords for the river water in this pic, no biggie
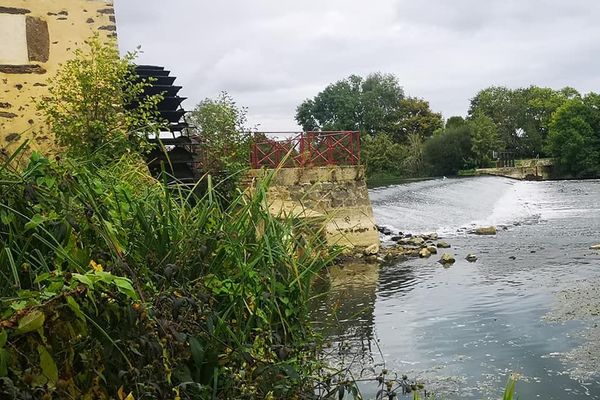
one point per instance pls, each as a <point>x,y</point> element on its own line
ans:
<point>462,330</point>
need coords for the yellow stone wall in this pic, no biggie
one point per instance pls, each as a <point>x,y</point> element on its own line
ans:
<point>335,195</point>
<point>36,36</point>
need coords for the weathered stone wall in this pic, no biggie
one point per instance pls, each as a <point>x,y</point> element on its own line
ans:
<point>36,36</point>
<point>338,195</point>
<point>540,172</point>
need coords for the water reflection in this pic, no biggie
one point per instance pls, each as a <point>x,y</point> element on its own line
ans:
<point>464,329</point>
<point>345,312</point>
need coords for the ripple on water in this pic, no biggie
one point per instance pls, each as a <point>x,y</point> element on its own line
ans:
<point>466,328</point>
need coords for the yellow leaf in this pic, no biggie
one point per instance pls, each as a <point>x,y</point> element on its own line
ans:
<point>96,267</point>
<point>121,393</point>
<point>130,397</point>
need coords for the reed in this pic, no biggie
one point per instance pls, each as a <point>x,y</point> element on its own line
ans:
<point>133,286</point>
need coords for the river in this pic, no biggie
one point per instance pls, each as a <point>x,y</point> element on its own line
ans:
<point>462,330</point>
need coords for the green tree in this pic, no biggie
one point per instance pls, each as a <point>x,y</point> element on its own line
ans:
<point>372,105</point>
<point>455,122</point>
<point>95,105</point>
<point>223,135</point>
<point>521,116</point>
<point>506,108</point>
<point>484,139</point>
<point>415,158</point>
<point>449,152</point>
<point>382,156</point>
<point>574,138</point>
<point>416,118</point>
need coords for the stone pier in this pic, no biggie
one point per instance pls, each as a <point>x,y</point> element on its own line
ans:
<point>335,195</point>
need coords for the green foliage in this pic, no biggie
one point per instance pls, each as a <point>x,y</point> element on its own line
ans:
<point>375,104</point>
<point>450,151</point>
<point>416,118</point>
<point>521,115</point>
<point>224,138</point>
<point>381,154</point>
<point>455,122</point>
<point>574,139</point>
<point>484,139</point>
<point>93,105</point>
<point>112,283</point>
<point>415,163</point>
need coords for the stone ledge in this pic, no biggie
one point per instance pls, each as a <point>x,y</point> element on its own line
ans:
<point>22,69</point>
<point>13,10</point>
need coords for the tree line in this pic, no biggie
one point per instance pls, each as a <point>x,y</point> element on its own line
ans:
<point>402,136</point>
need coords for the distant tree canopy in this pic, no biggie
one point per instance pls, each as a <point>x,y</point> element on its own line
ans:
<point>373,105</point>
<point>450,151</point>
<point>402,136</point>
<point>574,136</point>
<point>522,116</point>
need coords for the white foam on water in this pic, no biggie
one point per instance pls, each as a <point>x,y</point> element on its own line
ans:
<point>521,204</point>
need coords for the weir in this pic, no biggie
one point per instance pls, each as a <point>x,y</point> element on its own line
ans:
<point>318,176</point>
<point>524,170</point>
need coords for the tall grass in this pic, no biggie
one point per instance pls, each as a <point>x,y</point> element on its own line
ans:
<point>133,286</point>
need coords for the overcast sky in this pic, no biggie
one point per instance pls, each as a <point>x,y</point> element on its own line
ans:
<point>272,54</point>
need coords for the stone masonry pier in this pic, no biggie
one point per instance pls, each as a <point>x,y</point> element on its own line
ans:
<point>336,196</point>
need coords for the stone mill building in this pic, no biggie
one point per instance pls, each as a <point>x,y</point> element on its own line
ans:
<point>36,36</point>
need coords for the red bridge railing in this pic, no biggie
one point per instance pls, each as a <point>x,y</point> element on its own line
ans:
<point>307,149</point>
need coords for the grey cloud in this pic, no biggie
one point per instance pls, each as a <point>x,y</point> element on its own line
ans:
<point>270,55</point>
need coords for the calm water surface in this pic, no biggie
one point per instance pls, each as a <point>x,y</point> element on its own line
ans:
<point>463,329</point>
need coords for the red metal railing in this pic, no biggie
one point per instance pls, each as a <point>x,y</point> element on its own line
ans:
<point>307,149</point>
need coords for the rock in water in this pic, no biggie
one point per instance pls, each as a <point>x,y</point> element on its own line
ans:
<point>595,247</point>
<point>471,258</point>
<point>447,259</point>
<point>371,250</point>
<point>443,245</point>
<point>432,249</point>
<point>417,241</point>
<point>424,253</point>
<point>487,230</point>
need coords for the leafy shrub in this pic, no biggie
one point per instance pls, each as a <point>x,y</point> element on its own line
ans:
<point>450,151</point>
<point>96,108</point>
<point>380,154</point>
<point>113,284</point>
<point>224,140</point>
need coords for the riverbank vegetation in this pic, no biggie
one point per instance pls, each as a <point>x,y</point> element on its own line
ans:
<point>402,137</point>
<point>117,286</point>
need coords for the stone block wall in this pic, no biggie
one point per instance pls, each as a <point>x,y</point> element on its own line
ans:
<point>338,194</point>
<point>36,36</point>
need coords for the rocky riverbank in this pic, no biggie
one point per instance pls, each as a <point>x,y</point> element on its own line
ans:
<point>398,247</point>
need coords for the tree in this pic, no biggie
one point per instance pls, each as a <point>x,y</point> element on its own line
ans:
<point>96,108</point>
<point>223,135</point>
<point>455,122</point>
<point>417,118</point>
<point>382,156</point>
<point>484,139</point>
<point>415,158</point>
<point>521,116</point>
<point>506,109</point>
<point>449,152</point>
<point>574,138</point>
<point>372,105</point>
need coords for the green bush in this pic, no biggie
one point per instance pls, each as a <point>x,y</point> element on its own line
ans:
<point>574,138</point>
<point>381,154</point>
<point>449,152</point>
<point>96,108</point>
<point>113,284</point>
